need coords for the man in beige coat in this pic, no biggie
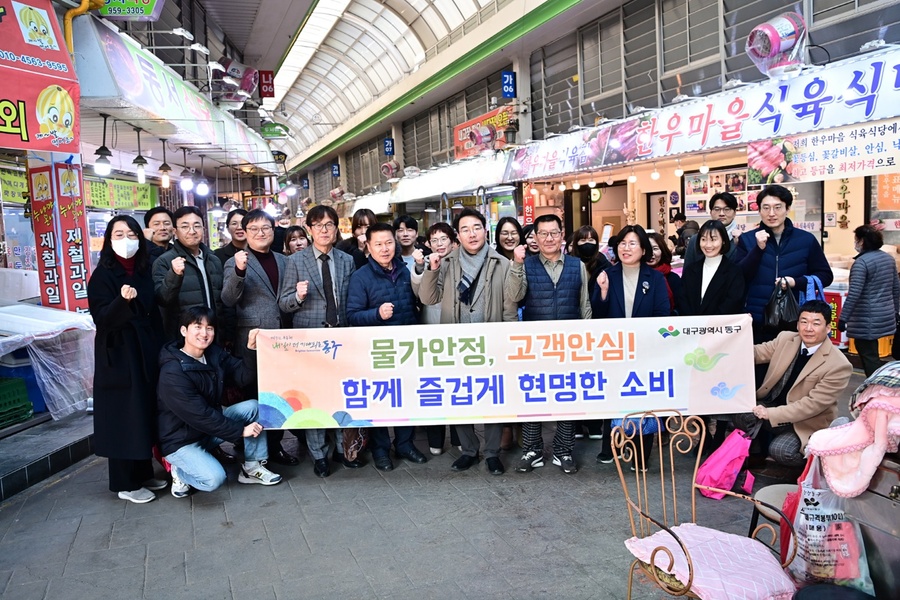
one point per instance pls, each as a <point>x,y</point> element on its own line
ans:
<point>468,285</point>
<point>806,375</point>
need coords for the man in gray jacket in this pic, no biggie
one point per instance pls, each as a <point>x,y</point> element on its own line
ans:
<point>468,285</point>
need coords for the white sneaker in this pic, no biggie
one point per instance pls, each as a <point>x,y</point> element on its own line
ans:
<point>179,488</point>
<point>155,484</point>
<point>138,496</point>
<point>255,472</point>
<point>437,451</point>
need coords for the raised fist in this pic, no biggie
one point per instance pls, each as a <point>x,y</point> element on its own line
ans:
<point>128,292</point>
<point>418,256</point>
<point>434,260</point>
<point>302,289</point>
<point>761,238</point>
<point>519,254</point>
<point>178,265</point>
<point>386,311</point>
<point>603,284</point>
<point>240,260</point>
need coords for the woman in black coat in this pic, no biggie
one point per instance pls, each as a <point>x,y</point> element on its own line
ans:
<point>129,327</point>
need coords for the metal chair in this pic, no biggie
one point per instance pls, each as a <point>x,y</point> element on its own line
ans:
<point>679,439</point>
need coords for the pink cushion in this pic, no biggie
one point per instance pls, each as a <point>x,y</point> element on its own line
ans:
<point>725,565</point>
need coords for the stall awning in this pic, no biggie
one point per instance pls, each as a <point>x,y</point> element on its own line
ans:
<point>39,107</point>
<point>461,178</point>
<point>122,79</point>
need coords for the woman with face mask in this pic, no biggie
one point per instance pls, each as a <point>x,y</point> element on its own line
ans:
<point>126,351</point>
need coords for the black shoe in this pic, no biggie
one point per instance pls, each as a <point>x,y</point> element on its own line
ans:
<point>283,458</point>
<point>349,464</point>
<point>383,463</point>
<point>494,466</point>
<point>321,468</point>
<point>413,455</point>
<point>605,458</point>
<point>223,457</point>
<point>464,462</point>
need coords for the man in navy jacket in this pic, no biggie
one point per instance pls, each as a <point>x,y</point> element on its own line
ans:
<point>380,294</point>
<point>777,249</point>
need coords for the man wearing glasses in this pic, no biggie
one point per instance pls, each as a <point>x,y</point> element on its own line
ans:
<point>555,287</point>
<point>722,206</point>
<point>252,283</point>
<point>777,249</point>
<point>187,275</point>
<point>314,291</point>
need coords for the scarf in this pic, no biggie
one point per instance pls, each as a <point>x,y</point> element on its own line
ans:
<point>665,270</point>
<point>471,266</point>
<point>127,264</point>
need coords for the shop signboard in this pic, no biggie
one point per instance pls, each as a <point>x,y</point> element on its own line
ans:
<point>58,216</point>
<point>888,191</point>
<point>862,89</point>
<point>137,78</point>
<point>115,194</point>
<point>267,84</point>
<point>132,10</point>
<point>859,150</point>
<point>504,372</point>
<point>12,185</point>
<point>488,132</point>
<point>40,111</point>
<point>527,208</point>
<point>273,131</point>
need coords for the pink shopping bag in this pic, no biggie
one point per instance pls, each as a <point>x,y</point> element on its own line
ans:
<point>722,467</point>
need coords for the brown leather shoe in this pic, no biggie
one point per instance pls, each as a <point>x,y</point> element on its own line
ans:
<point>224,457</point>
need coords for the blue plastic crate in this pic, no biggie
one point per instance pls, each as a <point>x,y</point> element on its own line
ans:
<point>34,392</point>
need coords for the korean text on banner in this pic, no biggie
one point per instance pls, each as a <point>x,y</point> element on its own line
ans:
<point>504,372</point>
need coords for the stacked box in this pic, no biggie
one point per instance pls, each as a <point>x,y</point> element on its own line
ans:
<point>15,407</point>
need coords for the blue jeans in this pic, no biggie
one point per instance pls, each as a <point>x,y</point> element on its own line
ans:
<point>197,467</point>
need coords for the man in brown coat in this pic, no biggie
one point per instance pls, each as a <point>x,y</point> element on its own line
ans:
<point>806,375</point>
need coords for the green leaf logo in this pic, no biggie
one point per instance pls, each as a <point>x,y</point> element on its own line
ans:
<point>700,361</point>
<point>669,331</point>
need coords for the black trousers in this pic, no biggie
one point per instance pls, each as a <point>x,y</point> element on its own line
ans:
<point>127,475</point>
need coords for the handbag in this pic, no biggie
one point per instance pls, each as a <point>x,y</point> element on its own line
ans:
<point>814,290</point>
<point>722,467</point>
<point>782,311</point>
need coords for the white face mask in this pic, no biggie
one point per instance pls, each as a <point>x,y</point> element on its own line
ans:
<point>126,247</point>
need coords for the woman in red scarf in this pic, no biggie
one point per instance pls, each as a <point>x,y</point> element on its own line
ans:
<point>662,262</point>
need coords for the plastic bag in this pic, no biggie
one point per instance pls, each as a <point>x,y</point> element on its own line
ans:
<point>814,290</point>
<point>829,546</point>
<point>722,467</point>
<point>648,425</point>
<point>782,310</point>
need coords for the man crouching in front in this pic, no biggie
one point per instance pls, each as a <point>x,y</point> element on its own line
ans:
<point>191,418</point>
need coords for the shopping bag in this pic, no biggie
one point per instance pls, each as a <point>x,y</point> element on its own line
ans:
<point>814,290</point>
<point>782,310</point>
<point>829,546</point>
<point>721,468</point>
<point>647,424</point>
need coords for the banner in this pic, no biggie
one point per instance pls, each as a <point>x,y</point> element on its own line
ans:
<point>39,104</point>
<point>488,131</point>
<point>118,194</point>
<point>861,89</point>
<point>504,372</point>
<point>855,151</point>
<point>12,184</point>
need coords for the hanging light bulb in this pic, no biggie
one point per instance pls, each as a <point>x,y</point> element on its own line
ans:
<point>102,166</point>
<point>576,185</point>
<point>534,190</point>
<point>703,168</point>
<point>679,172</point>
<point>139,161</point>
<point>655,174</point>
<point>202,183</point>
<point>632,178</point>
<point>187,177</point>
<point>610,180</point>
<point>164,168</point>
<point>562,186</point>
<point>592,184</point>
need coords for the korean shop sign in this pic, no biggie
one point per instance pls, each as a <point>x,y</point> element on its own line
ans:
<point>132,10</point>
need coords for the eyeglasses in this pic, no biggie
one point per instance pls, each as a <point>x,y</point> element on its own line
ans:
<point>629,244</point>
<point>194,227</point>
<point>440,241</point>
<point>509,234</point>
<point>721,210</point>
<point>323,226</point>
<point>548,234</point>
<point>772,208</point>
<point>257,230</point>
<point>473,229</point>
<point>120,235</point>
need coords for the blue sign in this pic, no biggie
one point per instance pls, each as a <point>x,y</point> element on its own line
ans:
<point>336,170</point>
<point>388,146</point>
<point>304,183</point>
<point>508,83</point>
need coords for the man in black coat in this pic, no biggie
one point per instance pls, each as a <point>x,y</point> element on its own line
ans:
<point>159,231</point>
<point>191,419</point>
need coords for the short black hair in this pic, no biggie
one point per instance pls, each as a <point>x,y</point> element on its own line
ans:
<point>257,214</point>
<point>870,237</point>
<point>319,213</point>
<point>679,217</point>
<point>779,191</point>
<point>236,211</point>
<point>468,212</point>
<point>407,221</point>
<point>444,228</point>
<point>642,236</point>
<point>196,314</point>
<point>148,216</point>
<point>184,211</point>
<point>726,197</point>
<point>817,306</point>
<point>548,219</point>
<point>717,226</point>
<point>376,227</point>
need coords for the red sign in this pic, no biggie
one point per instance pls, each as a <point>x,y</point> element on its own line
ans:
<point>481,133</point>
<point>267,84</point>
<point>527,209</point>
<point>836,300</point>
<point>60,234</point>
<point>40,111</point>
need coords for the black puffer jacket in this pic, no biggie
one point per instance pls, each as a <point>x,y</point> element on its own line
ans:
<point>189,395</point>
<point>174,293</point>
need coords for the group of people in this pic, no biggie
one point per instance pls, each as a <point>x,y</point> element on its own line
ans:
<point>177,323</point>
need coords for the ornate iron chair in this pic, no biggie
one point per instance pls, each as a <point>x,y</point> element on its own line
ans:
<point>679,556</point>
